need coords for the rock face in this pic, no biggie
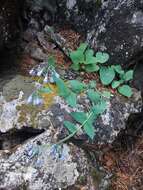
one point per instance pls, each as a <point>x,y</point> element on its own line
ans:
<point>10,22</point>
<point>112,26</point>
<point>118,30</point>
<point>34,166</point>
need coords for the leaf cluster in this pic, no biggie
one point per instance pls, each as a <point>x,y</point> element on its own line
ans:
<point>118,79</point>
<point>83,58</point>
<point>98,106</point>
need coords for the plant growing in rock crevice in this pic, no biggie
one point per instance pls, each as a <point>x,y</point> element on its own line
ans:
<point>84,59</point>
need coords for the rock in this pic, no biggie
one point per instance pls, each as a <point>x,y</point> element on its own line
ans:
<point>111,26</point>
<point>37,164</point>
<point>10,12</point>
<point>34,8</point>
<point>78,13</point>
<point>108,125</point>
<point>118,30</point>
<point>19,83</point>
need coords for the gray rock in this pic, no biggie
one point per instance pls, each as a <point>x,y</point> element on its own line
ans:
<point>111,26</point>
<point>109,124</point>
<point>118,30</point>
<point>33,166</point>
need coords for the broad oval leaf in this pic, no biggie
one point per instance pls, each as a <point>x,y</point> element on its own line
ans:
<point>89,130</point>
<point>93,96</point>
<point>99,108</point>
<point>77,57</point>
<point>71,99</point>
<point>70,126</point>
<point>77,86</point>
<point>62,88</point>
<point>75,66</point>
<point>125,90</point>
<point>128,75</point>
<point>102,57</point>
<point>107,74</point>
<point>89,57</point>
<point>83,47</point>
<point>91,68</point>
<point>79,116</point>
<point>115,84</point>
<point>118,69</point>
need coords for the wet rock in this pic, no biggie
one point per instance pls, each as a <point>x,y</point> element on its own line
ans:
<point>38,164</point>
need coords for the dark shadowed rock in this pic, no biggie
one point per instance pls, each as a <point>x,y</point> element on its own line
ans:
<point>9,22</point>
<point>112,26</point>
<point>118,29</point>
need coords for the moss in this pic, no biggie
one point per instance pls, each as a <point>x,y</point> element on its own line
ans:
<point>28,110</point>
<point>49,97</point>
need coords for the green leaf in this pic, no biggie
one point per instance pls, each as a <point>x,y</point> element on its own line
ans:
<point>115,84</point>
<point>89,58</point>
<point>91,68</point>
<point>75,67</point>
<point>77,57</point>
<point>93,96</point>
<point>107,74</point>
<point>128,75</point>
<point>99,108</point>
<point>77,86</point>
<point>89,130</point>
<point>118,69</point>
<point>102,57</point>
<point>71,99</point>
<point>62,88</point>
<point>83,47</point>
<point>45,90</point>
<point>125,90</point>
<point>51,61</point>
<point>79,116</point>
<point>106,94</point>
<point>70,126</point>
<point>92,84</point>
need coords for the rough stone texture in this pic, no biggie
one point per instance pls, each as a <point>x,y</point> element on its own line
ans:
<point>33,166</point>
<point>10,22</point>
<point>118,30</point>
<point>112,26</point>
<point>109,124</point>
<point>16,113</point>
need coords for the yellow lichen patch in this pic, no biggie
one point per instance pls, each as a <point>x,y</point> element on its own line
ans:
<point>49,97</point>
<point>28,111</point>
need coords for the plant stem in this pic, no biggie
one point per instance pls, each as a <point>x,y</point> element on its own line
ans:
<point>72,134</point>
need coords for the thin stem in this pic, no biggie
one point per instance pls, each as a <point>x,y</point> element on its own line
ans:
<point>72,134</point>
